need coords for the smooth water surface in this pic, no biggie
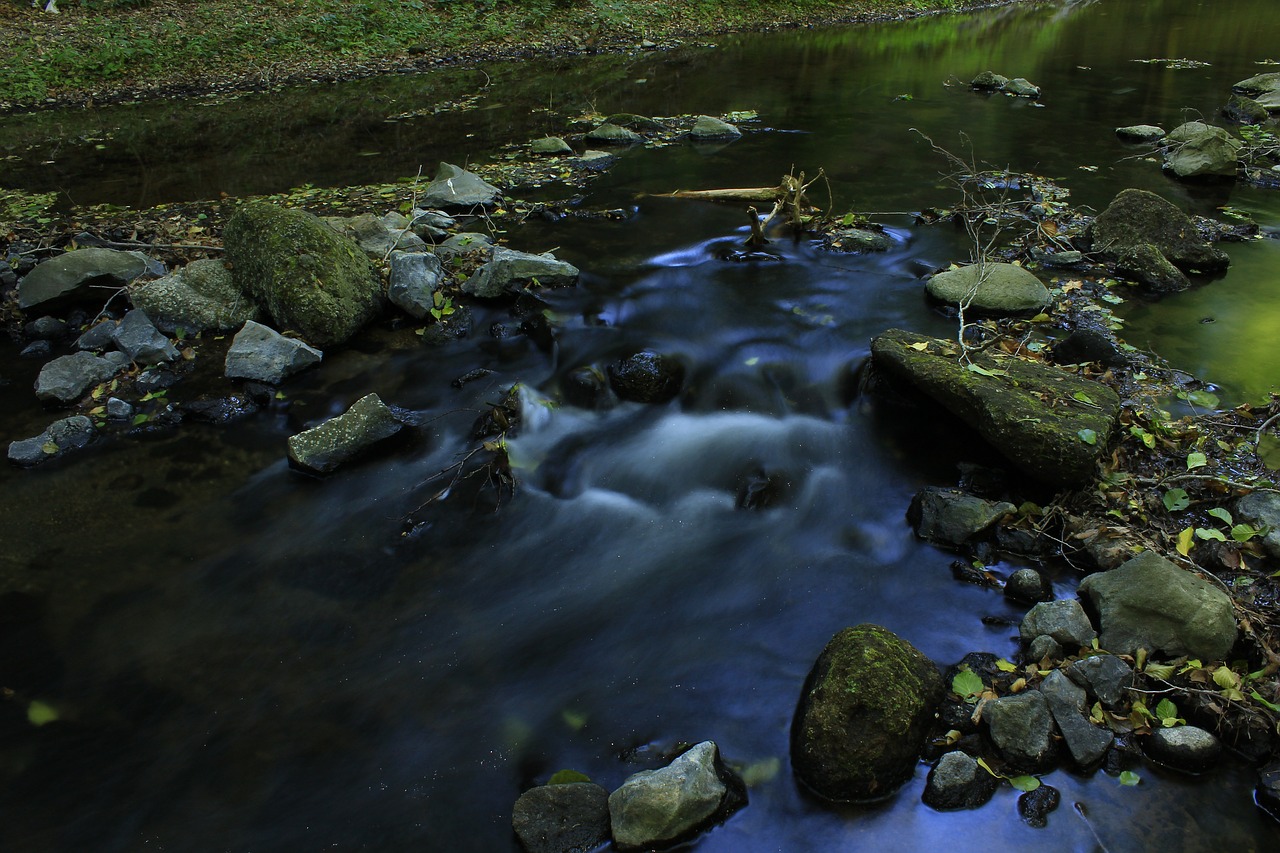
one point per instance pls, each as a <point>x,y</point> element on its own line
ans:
<point>246,659</point>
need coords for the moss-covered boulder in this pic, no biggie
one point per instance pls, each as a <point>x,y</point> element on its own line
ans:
<point>863,715</point>
<point>308,277</point>
<point>1051,424</point>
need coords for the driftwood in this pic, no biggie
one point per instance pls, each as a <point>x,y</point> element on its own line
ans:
<point>788,197</point>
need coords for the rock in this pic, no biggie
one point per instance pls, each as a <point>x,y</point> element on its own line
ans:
<point>463,244</point>
<point>414,278</point>
<point>951,517</point>
<point>264,355</point>
<point>710,129</point>
<point>1086,742</point>
<point>454,188</point>
<point>67,378</point>
<point>1136,218</point>
<point>659,807</point>
<point>596,161</point>
<point>321,449</point>
<point>200,296</point>
<point>1262,508</point>
<point>378,235</point>
<point>1008,405</point>
<point>1152,604</point>
<point>989,81</point>
<point>858,240</point>
<point>1243,110</point>
<point>308,277</point>
<point>1064,620</point>
<point>1105,676</point>
<point>550,146</point>
<point>647,377</point>
<point>1035,806</point>
<point>98,337</point>
<point>1140,133</point>
<point>612,134</point>
<point>1056,258</point>
<point>1028,586</point>
<point>587,387</point>
<point>957,781</point>
<point>45,328</point>
<point>569,818</point>
<point>1021,87</point>
<point>1144,264</point>
<point>1021,728</point>
<point>863,715</point>
<point>218,410</point>
<point>1259,85</point>
<point>1185,748</point>
<point>1267,793</point>
<point>430,225</point>
<point>1086,345</point>
<point>60,437</point>
<point>66,273</point>
<point>636,122</point>
<point>1043,647</point>
<point>37,350</point>
<point>509,271</point>
<point>998,289</point>
<point>137,338</point>
<point>119,410</point>
<point>1199,150</point>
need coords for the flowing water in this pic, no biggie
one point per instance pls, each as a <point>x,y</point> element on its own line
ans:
<point>245,659</point>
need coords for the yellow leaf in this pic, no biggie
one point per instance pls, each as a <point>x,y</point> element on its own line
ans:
<point>1005,666</point>
<point>1225,678</point>
<point>919,347</point>
<point>1186,541</point>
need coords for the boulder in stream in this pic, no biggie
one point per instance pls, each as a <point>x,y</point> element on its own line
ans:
<point>951,517</point>
<point>454,187</point>
<point>1263,88</point>
<point>414,278</point>
<point>996,289</point>
<point>1140,133</point>
<point>508,272</point>
<point>262,354</point>
<point>65,274</point>
<point>138,338</point>
<point>66,378</point>
<point>60,437</point>
<point>957,781</point>
<point>200,296</point>
<point>656,808</point>
<point>711,129</point>
<point>863,715</point>
<point>1022,731</point>
<point>560,818</point>
<point>612,134</point>
<point>647,377</point>
<point>1199,150</point>
<point>323,448</point>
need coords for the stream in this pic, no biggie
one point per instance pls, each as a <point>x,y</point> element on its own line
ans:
<point>242,658</point>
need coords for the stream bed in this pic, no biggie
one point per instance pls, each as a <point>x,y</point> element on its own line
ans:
<point>243,658</point>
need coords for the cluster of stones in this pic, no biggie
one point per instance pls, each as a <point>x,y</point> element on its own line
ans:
<point>989,81</point>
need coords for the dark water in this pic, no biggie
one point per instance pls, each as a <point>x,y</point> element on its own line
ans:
<point>244,659</point>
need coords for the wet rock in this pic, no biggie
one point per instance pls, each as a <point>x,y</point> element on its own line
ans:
<point>863,715</point>
<point>711,129</point>
<point>1199,150</point>
<point>1152,604</point>
<point>1028,586</point>
<point>308,277</point>
<point>1137,218</point>
<point>569,818</point>
<point>1045,647</point>
<point>1140,133</point>
<point>549,146</point>
<point>1034,807</point>
<point>463,244</point>
<point>67,273</point>
<point>957,781</point>
<point>951,517</point>
<point>596,161</point>
<point>1057,258</point>
<point>1086,742</point>
<point>454,188</point>
<point>612,134</point>
<point>37,350</point>
<point>1105,676</point>
<point>119,410</point>
<point>322,449</point>
<point>1021,728</point>
<point>98,337</point>
<point>1021,87</point>
<point>659,807</point>
<point>989,81</point>
<point>759,490</point>
<point>67,378</point>
<point>1186,748</point>
<point>998,289</point>
<point>509,271</point>
<point>430,225</point>
<point>1007,405</point>
<point>1258,509</point>
<point>1086,345</point>
<point>378,235</point>
<point>137,338</point>
<point>587,387</point>
<point>200,296</point>
<point>264,355</point>
<point>1243,110</point>
<point>59,438</point>
<point>644,124</point>
<point>220,410</point>
<point>45,328</point>
<point>1263,88</point>
<point>1064,620</point>
<point>858,240</point>
<point>414,278</point>
<point>1267,793</point>
<point>647,377</point>
<point>1146,265</point>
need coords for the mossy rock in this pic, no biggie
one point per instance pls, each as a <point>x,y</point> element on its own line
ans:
<point>1050,423</point>
<point>863,716</point>
<point>1137,217</point>
<point>308,277</point>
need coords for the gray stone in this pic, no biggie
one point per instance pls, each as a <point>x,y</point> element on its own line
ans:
<point>1056,258</point>
<point>1136,218</point>
<point>1140,133</point>
<point>1186,748</point>
<point>859,240</point>
<point>264,355</point>
<point>1259,84</point>
<point>66,378</point>
<point>1150,603</point>
<point>550,146</point>
<point>1085,345</point>
<point>463,244</point>
<point>657,807</point>
<point>1105,676</point>
<point>198,297</point>
<point>612,134</point>
<point>951,517</point>
<point>66,273</point>
<point>990,288</point>
<point>1043,647</point>
<point>1086,742</point>
<point>413,279</point>
<point>1244,110</point>
<point>1146,265</point>
<point>1021,87</point>
<point>1021,728</point>
<point>119,410</point>
<point>509,271</point>
<point>1199,150</point>
<point>454,188</point>
<point>379,235</point>
<point>98,337</point>
<point>1034,807</point>
<point>570,818</point>
<point>137,338</point>
<point>647,377</point>
<point>323,448</point>
<point>596,161</point>
<point>37,350</point>
<point>711,129</point>
<point>1260,509</point>
<point>61,436</point>
<point>1028,586</point>
<point>989,80</point>
<point>45,328</point>
<point>957,781</point>
<point>1063,620</point>
<point>433,225</point>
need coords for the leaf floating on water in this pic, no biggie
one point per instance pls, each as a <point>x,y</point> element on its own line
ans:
<point>1024,783</point>
<point>760,772</point>
<point>1128,777</point>
<point>967,684</point>
<point>39,713</point>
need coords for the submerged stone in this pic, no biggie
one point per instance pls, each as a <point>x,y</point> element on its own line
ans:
<point>647,377</point>
<point>658,807</point>
<point>562,818</point>
<point>1140,133</point>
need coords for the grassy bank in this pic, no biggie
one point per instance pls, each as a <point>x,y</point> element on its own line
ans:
<point>108,49</point>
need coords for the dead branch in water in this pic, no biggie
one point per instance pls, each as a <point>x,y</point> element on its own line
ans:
<point>788,196</point>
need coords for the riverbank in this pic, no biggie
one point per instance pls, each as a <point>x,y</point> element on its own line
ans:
<point>172,48</point>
